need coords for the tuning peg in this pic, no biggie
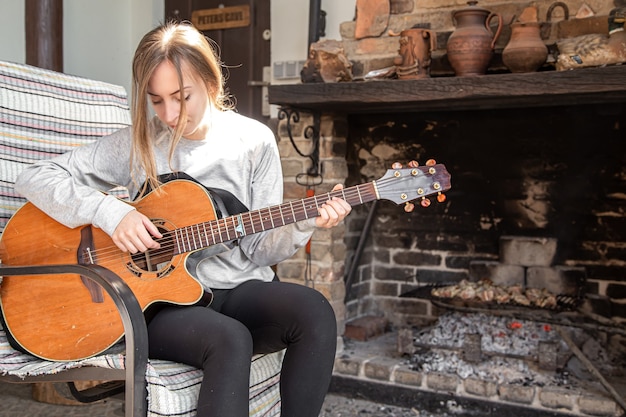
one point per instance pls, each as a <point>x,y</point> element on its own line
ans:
<point>413,164</point>
<point>408,207</point>
<point>425,202</point>
<point>396,165</point>
<point>431,162</point>
<point>441,197</point>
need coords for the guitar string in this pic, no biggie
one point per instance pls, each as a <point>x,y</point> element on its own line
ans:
<point>208,232</point>
<point>218,229</point>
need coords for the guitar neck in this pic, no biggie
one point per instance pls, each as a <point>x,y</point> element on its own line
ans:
<point>203,235</point>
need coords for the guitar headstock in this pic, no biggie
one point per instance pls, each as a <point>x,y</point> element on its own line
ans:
<point>404,185</point>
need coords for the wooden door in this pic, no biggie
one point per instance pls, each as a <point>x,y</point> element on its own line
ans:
<point>244,45</point>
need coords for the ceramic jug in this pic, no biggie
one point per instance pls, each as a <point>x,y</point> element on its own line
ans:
<point>414,57</point>
<point>525,51</point>
<point>470,47</point>
<point>547,28</point>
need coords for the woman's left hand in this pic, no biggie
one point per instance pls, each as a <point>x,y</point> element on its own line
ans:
<point>333,211</point>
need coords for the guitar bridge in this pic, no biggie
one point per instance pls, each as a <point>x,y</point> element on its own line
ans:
<point>84,256</point>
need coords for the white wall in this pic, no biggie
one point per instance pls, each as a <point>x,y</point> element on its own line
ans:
<point>290,28</point>
<point>99,37</point>
<point>290,25</point>
<point>13,44</point>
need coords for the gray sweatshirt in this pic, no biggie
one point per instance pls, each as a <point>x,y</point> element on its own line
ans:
<point>239,155</point>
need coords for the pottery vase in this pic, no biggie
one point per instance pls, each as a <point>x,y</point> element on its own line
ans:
<point>414,56</point>
<point>470,46</point>
<point>525,51</point>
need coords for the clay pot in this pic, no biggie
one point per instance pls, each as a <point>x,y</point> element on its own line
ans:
<point>525,51</point>
<point>413,61</point>
<point>470,46</point>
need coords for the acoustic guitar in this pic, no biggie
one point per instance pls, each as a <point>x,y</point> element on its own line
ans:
<point>66,317</point>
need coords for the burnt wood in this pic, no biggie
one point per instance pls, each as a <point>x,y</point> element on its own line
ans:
<point>495,91</point>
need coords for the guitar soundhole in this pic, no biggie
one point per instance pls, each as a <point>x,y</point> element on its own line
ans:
<point>155,261</point>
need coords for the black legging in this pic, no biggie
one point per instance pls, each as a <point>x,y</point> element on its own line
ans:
<point>256,317</point>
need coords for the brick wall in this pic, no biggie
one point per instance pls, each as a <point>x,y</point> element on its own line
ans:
<point>555,173</point>
<point>323,265</point>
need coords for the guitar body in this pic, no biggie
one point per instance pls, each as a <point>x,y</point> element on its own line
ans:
<point>65,317</point>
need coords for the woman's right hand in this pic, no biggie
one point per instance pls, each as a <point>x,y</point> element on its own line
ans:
<point>135,233</point>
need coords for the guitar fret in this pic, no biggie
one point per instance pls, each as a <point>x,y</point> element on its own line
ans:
<point>224,231</point>
<point>306,215</point>
<point>285,214</point>
<point>251,222</point>
<point>212,233</point>
<point>183,236</point>
<point>219,232</point>
<point>178,248</point>
<point>227,230</point>
<point>234,227</point>
<point>282,218</point>
<point>293,213</point>
<point>189,246</point>
<point>196,236</point>
<point>206,236</point>
<point>240,227</point>
<point>200,235</point>
<point>192,236</point>
<point>181,241</point>
<point>263,219</point>
<point>358,191</point>
<point>269,210</point>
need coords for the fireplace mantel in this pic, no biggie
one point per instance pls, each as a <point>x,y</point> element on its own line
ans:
<point>494,91</point>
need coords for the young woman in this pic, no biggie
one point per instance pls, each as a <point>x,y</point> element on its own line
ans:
<point>177,74</point>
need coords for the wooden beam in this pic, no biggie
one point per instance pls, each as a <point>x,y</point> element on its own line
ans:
<point>540,89</point>
<point>44,34</point>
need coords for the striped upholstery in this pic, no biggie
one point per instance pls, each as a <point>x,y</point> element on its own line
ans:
<point>172,387</point>
<point>45,113</point>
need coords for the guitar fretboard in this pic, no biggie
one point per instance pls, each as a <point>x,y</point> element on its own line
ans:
<point>203,235</point>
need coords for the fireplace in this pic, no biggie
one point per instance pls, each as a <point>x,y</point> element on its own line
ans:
<point>539,176</point>
<point>533,171</point>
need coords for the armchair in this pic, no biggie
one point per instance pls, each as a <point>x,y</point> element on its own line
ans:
<point>43,113</point>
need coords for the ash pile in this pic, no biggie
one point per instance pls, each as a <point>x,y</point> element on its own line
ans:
<point>507,350</point>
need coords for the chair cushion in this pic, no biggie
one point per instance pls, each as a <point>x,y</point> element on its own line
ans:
<point>172,387</point>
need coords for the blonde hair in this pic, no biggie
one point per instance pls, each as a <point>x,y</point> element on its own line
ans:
<point>178,43</point>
